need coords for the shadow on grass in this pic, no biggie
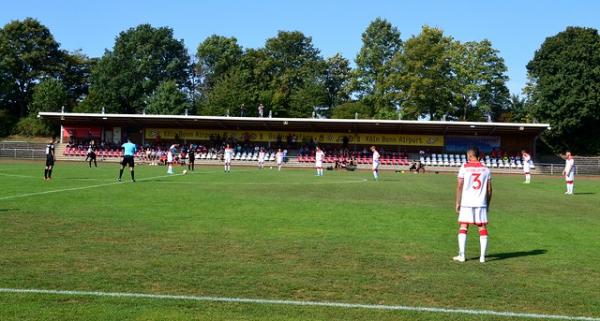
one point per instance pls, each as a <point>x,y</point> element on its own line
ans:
<point>510,255</point>
<point>586,193</point>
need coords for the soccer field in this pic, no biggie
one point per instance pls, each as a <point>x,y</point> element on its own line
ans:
<point>291,236</point>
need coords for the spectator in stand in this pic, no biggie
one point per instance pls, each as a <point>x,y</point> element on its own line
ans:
<point>242,109</point>
<point>261,110</point>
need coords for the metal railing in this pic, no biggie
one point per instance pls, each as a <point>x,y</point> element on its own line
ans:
<point>22,153</point>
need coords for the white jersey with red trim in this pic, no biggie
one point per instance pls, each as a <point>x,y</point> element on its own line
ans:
<point>570,169</point>
<point>171,153</point>
<point>228,154</point>
<point>376,157</point>
<point>526,162</point>
<point>319,156</point>
<point>279,158</point>
<point>476,179</point>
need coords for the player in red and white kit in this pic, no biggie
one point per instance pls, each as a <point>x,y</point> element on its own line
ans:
<point>569,172</point>
<point>279,159</point>
<point>526,166</point>
<point>473,196</point>
<point>227,157</point>
<point>261,158</point>
<point>375,162</point>
<point>319,156</point>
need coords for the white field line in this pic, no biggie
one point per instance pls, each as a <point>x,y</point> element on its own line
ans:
<point>268,183</point>
<point>16,175</point>
<point>301,303</point>
<point>90,186</point>
<point>80,187</point>
<point>82,178</point>
<point>58,178</point>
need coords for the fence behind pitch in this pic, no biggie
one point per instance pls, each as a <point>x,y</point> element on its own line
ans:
<point>22,150</point>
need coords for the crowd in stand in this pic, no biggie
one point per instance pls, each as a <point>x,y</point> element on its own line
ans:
<point>340,156</point>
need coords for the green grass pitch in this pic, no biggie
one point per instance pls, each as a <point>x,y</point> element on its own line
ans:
<point>288,235</point>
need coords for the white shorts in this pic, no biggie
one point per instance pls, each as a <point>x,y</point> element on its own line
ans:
<point>473,215</point>
<point>227,159</point>
<point>169,158</point>
<point>375,166</point>
<point>319,164</point>
<point>570,177</point>
<point>526,168</point>
<point>279,163</point>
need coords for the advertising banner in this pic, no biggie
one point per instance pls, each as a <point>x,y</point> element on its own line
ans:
<point>273,136</point>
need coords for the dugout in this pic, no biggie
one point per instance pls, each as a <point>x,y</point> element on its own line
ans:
<point>408,136</point>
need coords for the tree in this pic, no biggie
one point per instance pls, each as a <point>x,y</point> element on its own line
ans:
<point>142,58</point>
<point>291,63</point>
<point>381,43</point>
<point>564,89</point>
<point>518,110</point>
<point>351,110</point>
<point>75,73</point>
<point>425,80</point>
<point>48,95</point>
<point>28,53</point>
<point>479,81</point>
<point>337,78</point>
<point>216,55</point>
<point>304,100</point>
<point>168,99</point>
<point>227,95</point>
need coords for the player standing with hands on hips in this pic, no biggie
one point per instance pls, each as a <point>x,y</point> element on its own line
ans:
<point>228,155</point>
<point>49,159</point>
<point>526,166</point>
<point>319,156</point>
<point>473,196</point>
<point>279,159</point>
<point>569,172</point>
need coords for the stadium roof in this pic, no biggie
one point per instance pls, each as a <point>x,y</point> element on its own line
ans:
<point>292,124</point>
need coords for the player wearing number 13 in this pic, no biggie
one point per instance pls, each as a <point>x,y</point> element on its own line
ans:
<point>473,196</point>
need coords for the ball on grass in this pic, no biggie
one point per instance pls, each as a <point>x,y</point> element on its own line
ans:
<point>184,171</point>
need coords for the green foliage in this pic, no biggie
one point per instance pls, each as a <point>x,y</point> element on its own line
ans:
<point>337,80</point>
<point>425,82</point>
<point>168,99</point>
<point>142,58</point>
<point>75,74</point>
<point>28,53</point>
<point>216,56</point>
<point>381,43</point>
<point>565,89</point>
<point>304,100</point>
<point>517,111</point>
<point>479,81</point>
<point>228,94</point>
<point>33,126</point>
<point>7,122</point>
<point>350,109</point>
<point>49,95</point>
<point>293,65</point>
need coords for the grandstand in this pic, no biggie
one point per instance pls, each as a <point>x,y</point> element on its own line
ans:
<point>438,144</point>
